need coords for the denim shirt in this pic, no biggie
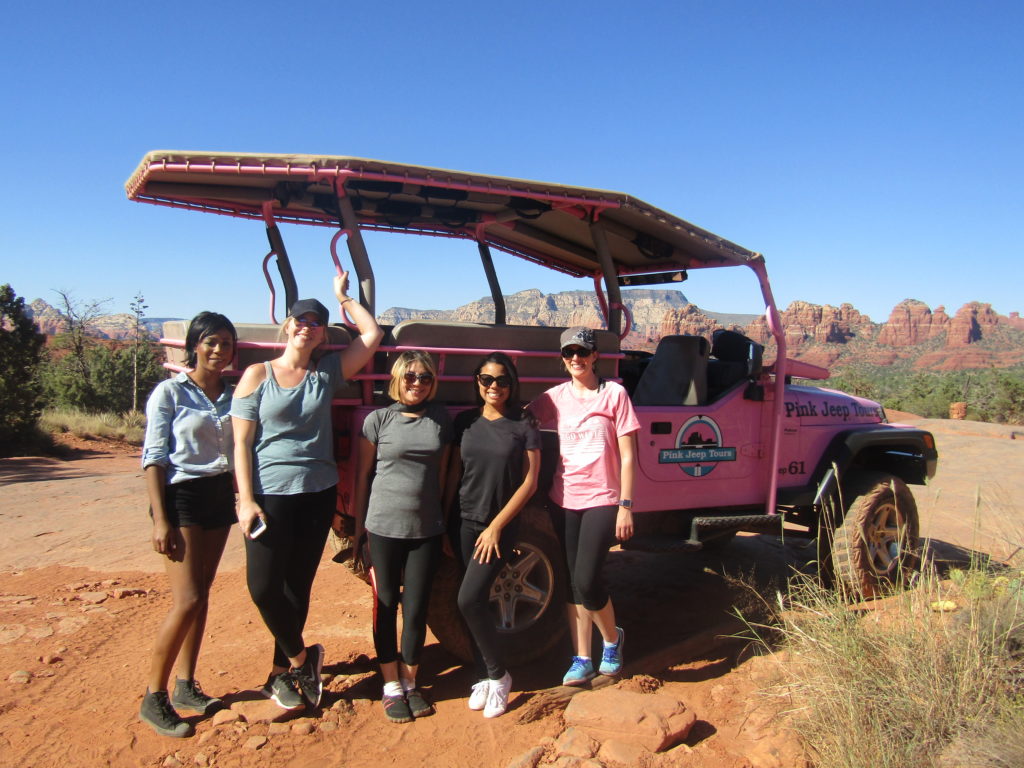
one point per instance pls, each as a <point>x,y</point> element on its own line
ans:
<point>186,433</point>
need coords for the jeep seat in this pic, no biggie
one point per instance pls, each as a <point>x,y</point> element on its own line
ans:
<point>735,358</point>
<point>462,335</point>
<point>677,374</point>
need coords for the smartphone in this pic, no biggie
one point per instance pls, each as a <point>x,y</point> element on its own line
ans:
<point>258,527</point>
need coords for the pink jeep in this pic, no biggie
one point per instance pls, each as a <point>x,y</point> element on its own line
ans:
<point>727,443</point>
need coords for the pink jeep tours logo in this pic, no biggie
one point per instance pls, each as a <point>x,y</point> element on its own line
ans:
<point>698,448</point>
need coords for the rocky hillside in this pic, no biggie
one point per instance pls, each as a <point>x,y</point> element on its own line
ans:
<point>834,337</point>
<point>120,326</point>
<point>975,337</point>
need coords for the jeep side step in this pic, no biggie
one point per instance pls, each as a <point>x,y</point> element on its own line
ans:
<point>704,525</point>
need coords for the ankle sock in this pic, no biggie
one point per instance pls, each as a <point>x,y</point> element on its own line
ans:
<point>393,689</point>
<point>407,685</point>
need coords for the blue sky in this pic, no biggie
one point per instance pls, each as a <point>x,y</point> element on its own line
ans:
<point>871,150</point>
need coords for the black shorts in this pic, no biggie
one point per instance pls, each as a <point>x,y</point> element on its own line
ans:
<point>208,502</point>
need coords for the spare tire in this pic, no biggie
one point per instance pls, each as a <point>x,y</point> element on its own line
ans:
<point>527,598</point>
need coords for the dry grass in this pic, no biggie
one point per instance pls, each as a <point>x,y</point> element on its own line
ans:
<point>931,677</point>
<point>129,426</point>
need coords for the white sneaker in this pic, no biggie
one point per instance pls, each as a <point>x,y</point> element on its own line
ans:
<point>497,696</point>
<point>478,696</point>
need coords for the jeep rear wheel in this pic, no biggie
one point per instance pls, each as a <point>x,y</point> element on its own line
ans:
<point>527,598</point>
<point>876,545</point>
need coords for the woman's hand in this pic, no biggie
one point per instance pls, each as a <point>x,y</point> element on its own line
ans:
<point>165,537</point>
<point>248,511</point>
<point>341,286</point>
<point>624,524</point>
<point>487,545</point>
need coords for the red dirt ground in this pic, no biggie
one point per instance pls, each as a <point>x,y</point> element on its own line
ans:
<point>72,531</point>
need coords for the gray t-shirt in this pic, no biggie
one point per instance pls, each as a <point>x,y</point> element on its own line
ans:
<point>293,451</point>
<point>405,500</point>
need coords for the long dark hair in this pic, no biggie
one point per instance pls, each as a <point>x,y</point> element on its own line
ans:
<point>203,325</point>
<point>513,406</point>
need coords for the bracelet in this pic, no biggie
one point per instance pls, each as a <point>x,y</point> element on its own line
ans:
<point>342,303</point>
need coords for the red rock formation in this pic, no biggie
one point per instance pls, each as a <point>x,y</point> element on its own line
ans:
<point>912,322</point>
<point>970,323</point>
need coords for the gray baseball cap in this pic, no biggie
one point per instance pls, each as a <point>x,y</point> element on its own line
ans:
<point>578,336</point>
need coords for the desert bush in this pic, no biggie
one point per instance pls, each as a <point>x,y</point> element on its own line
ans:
<point>931,677</point>
<point>129,426</point>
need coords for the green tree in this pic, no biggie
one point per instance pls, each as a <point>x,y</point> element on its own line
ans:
<point>21,353</point>
<point>138,306</point>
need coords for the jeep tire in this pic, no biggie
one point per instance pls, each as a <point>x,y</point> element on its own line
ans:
<point>876,545</point>
<point>527,597</point>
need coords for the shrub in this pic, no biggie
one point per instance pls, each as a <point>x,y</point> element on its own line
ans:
<point>904,682</point>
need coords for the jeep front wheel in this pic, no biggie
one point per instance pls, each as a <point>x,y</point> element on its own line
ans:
<point>876,545</point>
<point>527,597</point>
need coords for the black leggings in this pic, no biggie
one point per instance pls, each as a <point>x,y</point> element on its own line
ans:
<point>475,594</point>
<point>281,564</point>
<point>586,536</point>
<point>418,560</point>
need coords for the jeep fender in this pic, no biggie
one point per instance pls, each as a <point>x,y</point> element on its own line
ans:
<point>907,453</point>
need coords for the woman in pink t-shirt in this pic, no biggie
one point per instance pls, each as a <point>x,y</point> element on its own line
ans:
<point>591,493</point>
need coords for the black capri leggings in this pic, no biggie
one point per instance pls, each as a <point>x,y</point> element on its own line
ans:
<point>281,564</point>
<point>475,594</point>
<point>418,559</point>
<point>586,536</point>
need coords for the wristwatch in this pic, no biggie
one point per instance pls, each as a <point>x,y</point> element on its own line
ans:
<point>627,503</point>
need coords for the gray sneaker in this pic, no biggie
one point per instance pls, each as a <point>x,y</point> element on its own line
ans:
<point>157,712</point>
<point>188,695</point>
<point>283,690</point>
<point>308,675</point>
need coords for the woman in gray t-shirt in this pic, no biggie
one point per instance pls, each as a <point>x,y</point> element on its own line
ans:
<point>404,451</point>
<point>284,465</point>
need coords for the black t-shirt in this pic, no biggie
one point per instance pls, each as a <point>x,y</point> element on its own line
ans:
<point>492,461</point>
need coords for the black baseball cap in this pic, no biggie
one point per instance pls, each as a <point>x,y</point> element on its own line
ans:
<point>305,306</point>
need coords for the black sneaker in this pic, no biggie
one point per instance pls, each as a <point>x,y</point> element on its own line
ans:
<point>188,695</point>
<point>396,709</point>
<point>157,712</point>
<point>283,690</point>
<point>308,675</point>
<point>418,704</point>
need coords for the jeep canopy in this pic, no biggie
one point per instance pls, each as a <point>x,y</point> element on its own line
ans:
<point>552,224</point>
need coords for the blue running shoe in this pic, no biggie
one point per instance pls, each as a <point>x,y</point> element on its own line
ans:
<point>611,659</point>
<point>581,671</point>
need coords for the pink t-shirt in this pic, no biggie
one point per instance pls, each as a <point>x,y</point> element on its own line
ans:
<point>588,473</point>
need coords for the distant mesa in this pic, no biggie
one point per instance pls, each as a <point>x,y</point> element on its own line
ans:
<point>974,337</point>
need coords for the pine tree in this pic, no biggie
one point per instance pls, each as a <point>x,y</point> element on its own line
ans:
<point>21,352</point>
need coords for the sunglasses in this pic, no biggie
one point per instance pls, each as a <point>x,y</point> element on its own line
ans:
<point>304,323</point>
<point>580,352</point>
<point>502,381</point>
<point>422,378</point>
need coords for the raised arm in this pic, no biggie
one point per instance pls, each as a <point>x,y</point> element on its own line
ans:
<point>359,352</point>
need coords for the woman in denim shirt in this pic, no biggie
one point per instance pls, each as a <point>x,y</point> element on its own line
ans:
<point>187,462</point>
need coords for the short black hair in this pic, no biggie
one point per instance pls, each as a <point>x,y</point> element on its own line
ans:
<point>513,406</point>
<point>201,326</point>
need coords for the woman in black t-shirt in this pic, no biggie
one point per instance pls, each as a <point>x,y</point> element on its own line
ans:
<point>498,453</point>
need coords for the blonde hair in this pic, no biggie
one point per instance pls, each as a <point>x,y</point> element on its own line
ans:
<point>402,365</point>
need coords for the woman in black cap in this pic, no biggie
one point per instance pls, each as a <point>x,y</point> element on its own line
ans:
<point>591,493</point>
<point>286,474</point>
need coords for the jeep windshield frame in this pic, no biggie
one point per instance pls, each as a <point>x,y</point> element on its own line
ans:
<point>582,232</point>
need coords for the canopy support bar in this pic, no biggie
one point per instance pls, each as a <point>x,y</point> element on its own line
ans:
<point>492,281</point>
<point>611,277</point>
<point>357,250</point>
<point>284,265</point>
